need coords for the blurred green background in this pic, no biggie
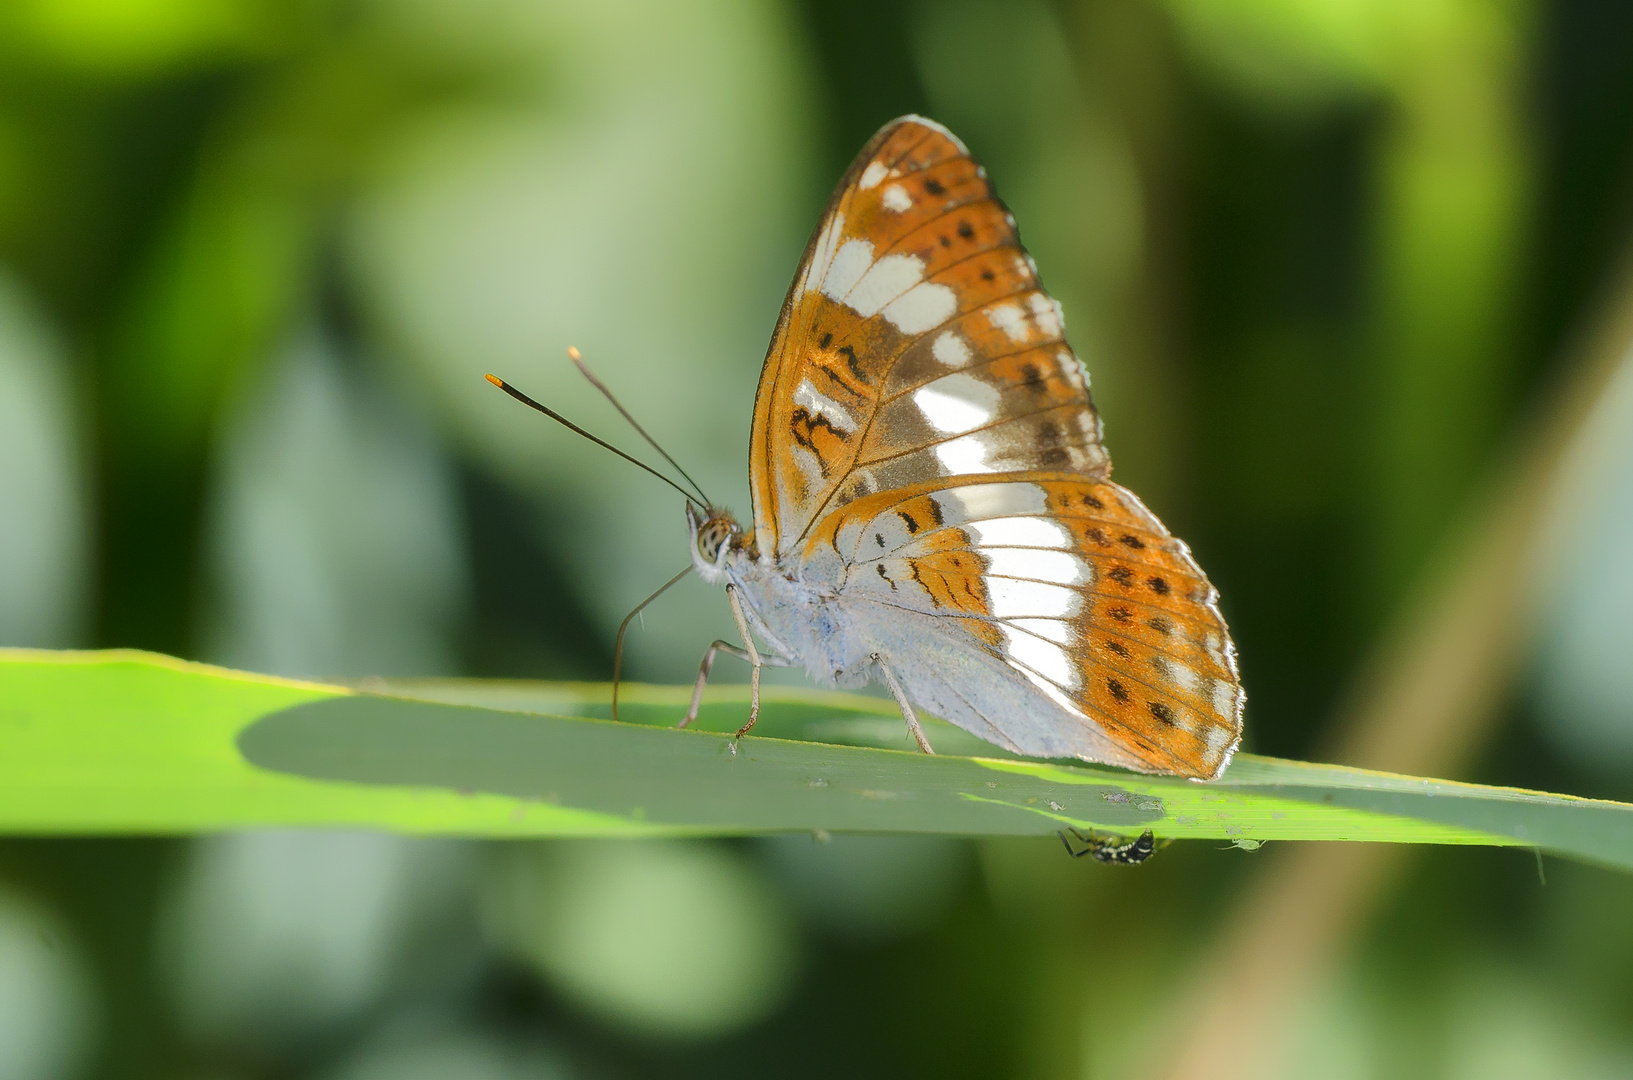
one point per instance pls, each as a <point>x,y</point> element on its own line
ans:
<point>1326,260</point>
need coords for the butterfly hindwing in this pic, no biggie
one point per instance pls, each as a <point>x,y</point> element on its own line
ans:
<point>1078,590</point>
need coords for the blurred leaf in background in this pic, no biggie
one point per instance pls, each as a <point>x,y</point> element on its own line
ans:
<point>418,1055</point>
<point>336,543</point>
<point>1584,683</point>
<point>677,941</point>
<point>137,39</point>
<point>869,888</point>
<point>48,1013</point>
<point>45,551</point>
<point>275,939</point>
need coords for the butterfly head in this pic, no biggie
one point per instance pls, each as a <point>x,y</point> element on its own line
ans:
<point>715,536</point>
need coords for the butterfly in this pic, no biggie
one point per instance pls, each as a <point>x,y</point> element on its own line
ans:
<point>932,502</point>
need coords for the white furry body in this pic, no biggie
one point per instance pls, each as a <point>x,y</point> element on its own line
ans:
<point>812,616</point>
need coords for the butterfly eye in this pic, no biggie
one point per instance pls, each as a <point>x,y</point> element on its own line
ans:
<point>712,537</point>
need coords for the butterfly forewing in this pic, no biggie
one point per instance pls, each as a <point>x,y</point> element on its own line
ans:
<point>915,266</point>
<point>924,438</point>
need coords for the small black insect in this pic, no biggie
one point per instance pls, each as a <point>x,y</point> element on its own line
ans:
<point>1110,848</point>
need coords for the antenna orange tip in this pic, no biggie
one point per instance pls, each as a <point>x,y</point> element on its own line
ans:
<point>495,380</point>
<point>572,351</point>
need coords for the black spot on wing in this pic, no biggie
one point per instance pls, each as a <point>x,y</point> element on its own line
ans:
<point>801,428</point>
<point>851,362</point>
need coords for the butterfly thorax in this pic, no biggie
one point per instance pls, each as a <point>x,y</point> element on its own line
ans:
<point>794,615</point>
<point>803,620</point>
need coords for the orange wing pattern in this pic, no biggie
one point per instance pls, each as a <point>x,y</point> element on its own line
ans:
<point>915,343</point>
<point>1076,586</point>
<point>924,440</point>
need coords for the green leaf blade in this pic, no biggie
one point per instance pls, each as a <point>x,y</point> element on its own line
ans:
<point>126,742</point>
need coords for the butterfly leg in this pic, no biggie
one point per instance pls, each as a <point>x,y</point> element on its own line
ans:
<point>703,676</point>
<point>753,658</point>
<point>900,695</point>
<point>749,653</point>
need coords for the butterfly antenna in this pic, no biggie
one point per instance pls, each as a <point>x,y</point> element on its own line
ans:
<point>618,649</point>
<point>584,370</point>
<point>570,426</point>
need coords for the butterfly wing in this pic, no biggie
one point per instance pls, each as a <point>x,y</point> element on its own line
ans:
<point>925,439</point>
<point>914,327</point>
<point>1073,589</point>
